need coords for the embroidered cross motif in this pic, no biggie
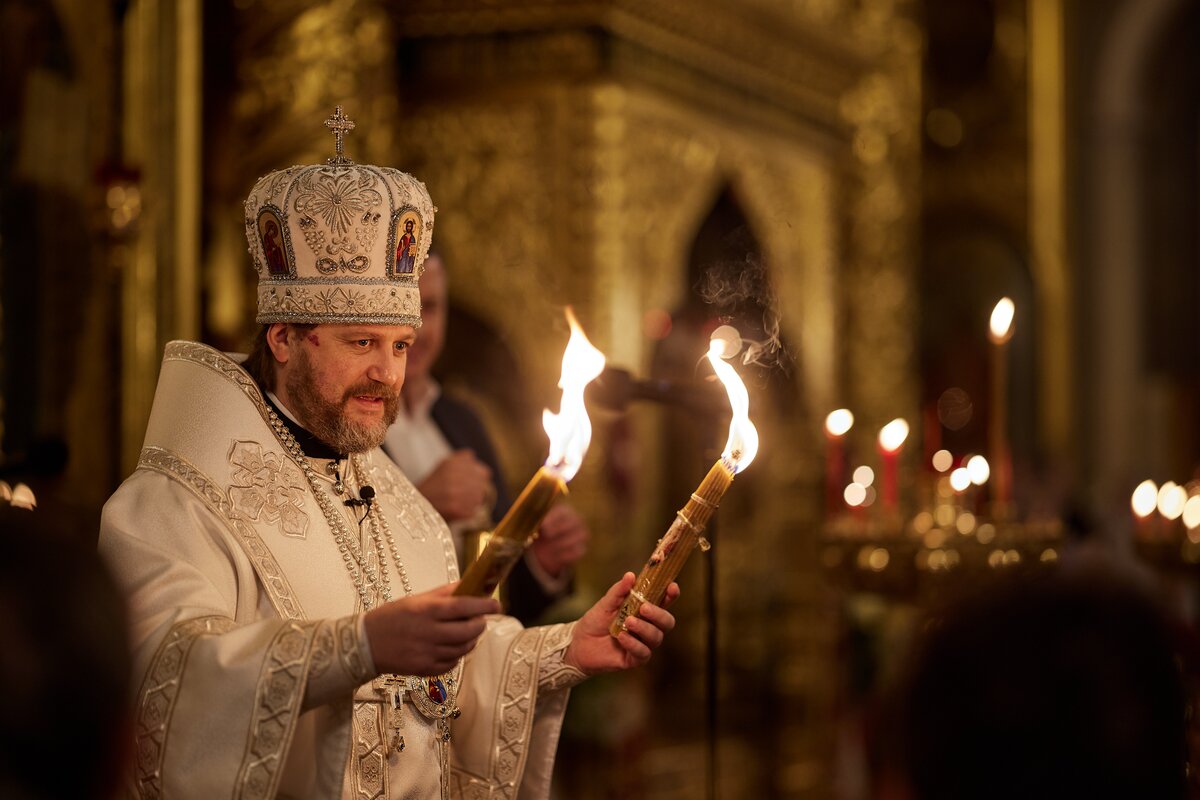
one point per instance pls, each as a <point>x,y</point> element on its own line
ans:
<point>339,124</point>
<point>267,485</point>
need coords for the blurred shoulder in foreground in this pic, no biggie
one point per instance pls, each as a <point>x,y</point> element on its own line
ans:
<point>64,665</point>
<point>1061,682</point>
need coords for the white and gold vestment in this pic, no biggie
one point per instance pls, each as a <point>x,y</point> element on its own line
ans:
<point>256,679</point>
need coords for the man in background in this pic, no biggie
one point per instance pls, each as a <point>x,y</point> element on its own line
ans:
<point>443,448</point>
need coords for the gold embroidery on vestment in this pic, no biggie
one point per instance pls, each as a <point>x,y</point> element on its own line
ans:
<point>368,759</point>
<point>349,650</point>
<point>535,665</point>
<point>267,485</point>
<point>160,689</point>
<point>268,570</point>
<point>277,700</point>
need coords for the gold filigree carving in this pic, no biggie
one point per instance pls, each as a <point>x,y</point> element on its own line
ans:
<point>883,109</point>
<point>454,151</point>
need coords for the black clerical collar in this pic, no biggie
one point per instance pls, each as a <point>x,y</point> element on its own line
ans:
<point>309,443</point>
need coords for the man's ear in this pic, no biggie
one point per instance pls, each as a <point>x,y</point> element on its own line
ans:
<point>279,339</point>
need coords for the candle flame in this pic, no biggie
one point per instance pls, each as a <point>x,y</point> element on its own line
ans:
<point>570,430</point>
<point>1171,499</point>
<point>960,479</point>
<point>892,435</point>
<point>1002,320</point>
<point>1145,498</point>
<point>742,446</point>
<point>979,470</point>
<point>839,422</point>
<point>1191,513</point>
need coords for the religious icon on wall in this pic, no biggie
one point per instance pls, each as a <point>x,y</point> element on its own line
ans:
<point>270,231</point>
<point>407,233</point>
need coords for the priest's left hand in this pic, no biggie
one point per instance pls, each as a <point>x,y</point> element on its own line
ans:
<point>593,649</point>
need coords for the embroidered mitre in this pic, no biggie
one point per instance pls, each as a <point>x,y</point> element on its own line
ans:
<point>339,242</point>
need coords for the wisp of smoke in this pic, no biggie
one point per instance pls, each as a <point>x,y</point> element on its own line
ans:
<point>740,292</point>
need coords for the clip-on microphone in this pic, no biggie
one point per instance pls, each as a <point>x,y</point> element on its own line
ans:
<point>366,496</point>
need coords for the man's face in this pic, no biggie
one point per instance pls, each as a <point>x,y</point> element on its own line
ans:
<point>425,351</point>
<point>343,381</point>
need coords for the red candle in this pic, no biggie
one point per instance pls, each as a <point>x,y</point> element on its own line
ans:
<point>1000,331</point>
<point>837,425</point>
<point>891,441</point>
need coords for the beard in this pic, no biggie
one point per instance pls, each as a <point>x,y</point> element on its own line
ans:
<point>328,421</point>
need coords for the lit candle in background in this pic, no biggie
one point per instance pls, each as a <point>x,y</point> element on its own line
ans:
<point>891,441</point>
<point>1143,502</point>
<point>1171,500</point>
<point>1191,517</point>
<point>1000,332</point>
<point>837,424</point>
<point>570,433</point>
<point>960,479</point>
<point>979,471</point>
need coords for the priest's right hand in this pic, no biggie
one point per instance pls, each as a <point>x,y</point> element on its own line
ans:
<point>427,633</point>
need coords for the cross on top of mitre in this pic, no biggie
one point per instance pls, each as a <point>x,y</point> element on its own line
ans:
<point>339,125</point>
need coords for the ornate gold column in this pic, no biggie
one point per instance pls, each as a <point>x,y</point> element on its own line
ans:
<point>1047,220</point>
<point>161,137</point>
<point>879,285</point>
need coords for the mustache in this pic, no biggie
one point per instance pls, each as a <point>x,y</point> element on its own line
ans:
<point>372,389</point>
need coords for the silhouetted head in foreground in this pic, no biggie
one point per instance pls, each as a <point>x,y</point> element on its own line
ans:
<point>1047,685</point>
